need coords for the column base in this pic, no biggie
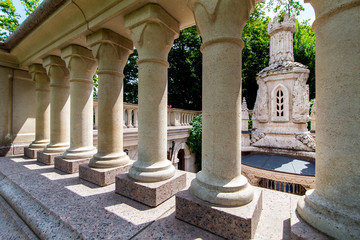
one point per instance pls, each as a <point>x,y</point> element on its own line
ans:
<point>151,194</point>
<point>300,230</point>
<point>102,176</point>
<point>31,152</point>
<point>228,222</point>
<point>331,218</point>
<point>69,166</point>
<point>47,158</point>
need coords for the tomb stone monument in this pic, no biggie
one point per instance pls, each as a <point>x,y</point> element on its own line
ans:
<point>281,111</point>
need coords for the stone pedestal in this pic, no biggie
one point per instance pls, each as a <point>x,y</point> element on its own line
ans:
<point>47,158</point>
<point>230,223</point>
<point>69,165</point>
<point>102,177</point>
<point>31,152</point>
<point>151,194</point>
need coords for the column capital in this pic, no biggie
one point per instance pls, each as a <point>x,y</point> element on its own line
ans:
<point>326,9</point>
<point>220,20</point>
<point>80,62</point>
<point>36,68</point>
<point>56,70</point>
<point>153,31</point>
<point>38,75</point>
<point>109,48</point>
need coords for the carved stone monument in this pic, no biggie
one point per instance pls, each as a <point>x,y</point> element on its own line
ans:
<point>281,109</point>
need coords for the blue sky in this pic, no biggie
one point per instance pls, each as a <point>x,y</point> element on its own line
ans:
<point>307,14</point>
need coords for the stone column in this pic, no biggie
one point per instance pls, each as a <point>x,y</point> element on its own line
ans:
<point>333,206</point>
<point>42,128</point>
<point>82,67</point>
<point>111,52</point>
<point>60,104</point>
<point>220,24</point>
<point>153,32</point>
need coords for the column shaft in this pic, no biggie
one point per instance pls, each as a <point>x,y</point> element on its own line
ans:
<point>60,104</point>
<point>220,24</point>
<point>82,66</point>
<point>111,52</point>
<point>42,125</point>
<point>334,206</point>
<point>153,32</point>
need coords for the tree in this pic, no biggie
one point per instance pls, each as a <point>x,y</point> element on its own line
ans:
<point>304,51</point>
<point>30,5</point>
<point>185,71</point>
<point>9,18</point>
<point>255,55</point>
<point>281,7</point>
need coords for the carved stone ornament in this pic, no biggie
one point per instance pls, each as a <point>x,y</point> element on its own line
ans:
<point>307,140</point>
<point>261,112</point>
<point>301,105</point>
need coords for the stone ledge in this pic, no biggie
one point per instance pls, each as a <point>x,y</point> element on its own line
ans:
<point>229,222</point>
<point>151,194</point>
<point>69,166</point>
<point>102,176</point>
<point>31,152</point>
<point>47,158</point>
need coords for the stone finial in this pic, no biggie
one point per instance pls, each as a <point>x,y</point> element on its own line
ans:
<point>281,39</point>
<point>244,105</point>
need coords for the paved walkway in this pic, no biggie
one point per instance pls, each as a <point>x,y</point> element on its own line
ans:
<point>280,163</point>
<point>61,206</point>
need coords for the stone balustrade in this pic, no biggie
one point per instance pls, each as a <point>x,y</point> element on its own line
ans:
<point>175,116</point>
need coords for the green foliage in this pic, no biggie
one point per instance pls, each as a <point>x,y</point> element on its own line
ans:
<point>194,140</point>
<point>185,71</point>
<point>304,51</point>
<point>30,5</point>
<point>9,19</point>
<point>96,85</point>
<point>255,55</point>
<point>131,79</point>
<point>282,7</point>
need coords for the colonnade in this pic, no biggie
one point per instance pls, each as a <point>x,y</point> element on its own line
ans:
<point>333,207</point>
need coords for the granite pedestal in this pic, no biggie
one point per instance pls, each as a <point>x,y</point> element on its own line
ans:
<point>151,194</point>
<point>31,152</point>
<point>228,222</point>
<point>47,158</point>
<point>69,165</point>
<point>102,176</point>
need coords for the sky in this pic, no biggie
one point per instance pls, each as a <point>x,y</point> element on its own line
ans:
<point>307,14</point>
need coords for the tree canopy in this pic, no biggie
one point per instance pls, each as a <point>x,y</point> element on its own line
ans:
<point>9,17</point>
<point>184,76</point>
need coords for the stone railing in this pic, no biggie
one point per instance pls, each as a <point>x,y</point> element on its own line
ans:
<point>176,116</point>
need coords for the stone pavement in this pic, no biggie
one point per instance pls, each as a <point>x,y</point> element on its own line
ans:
<point>280,163</point>
<point>62,206</point>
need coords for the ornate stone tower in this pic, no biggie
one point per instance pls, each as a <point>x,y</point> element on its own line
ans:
<point>281,109</point>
